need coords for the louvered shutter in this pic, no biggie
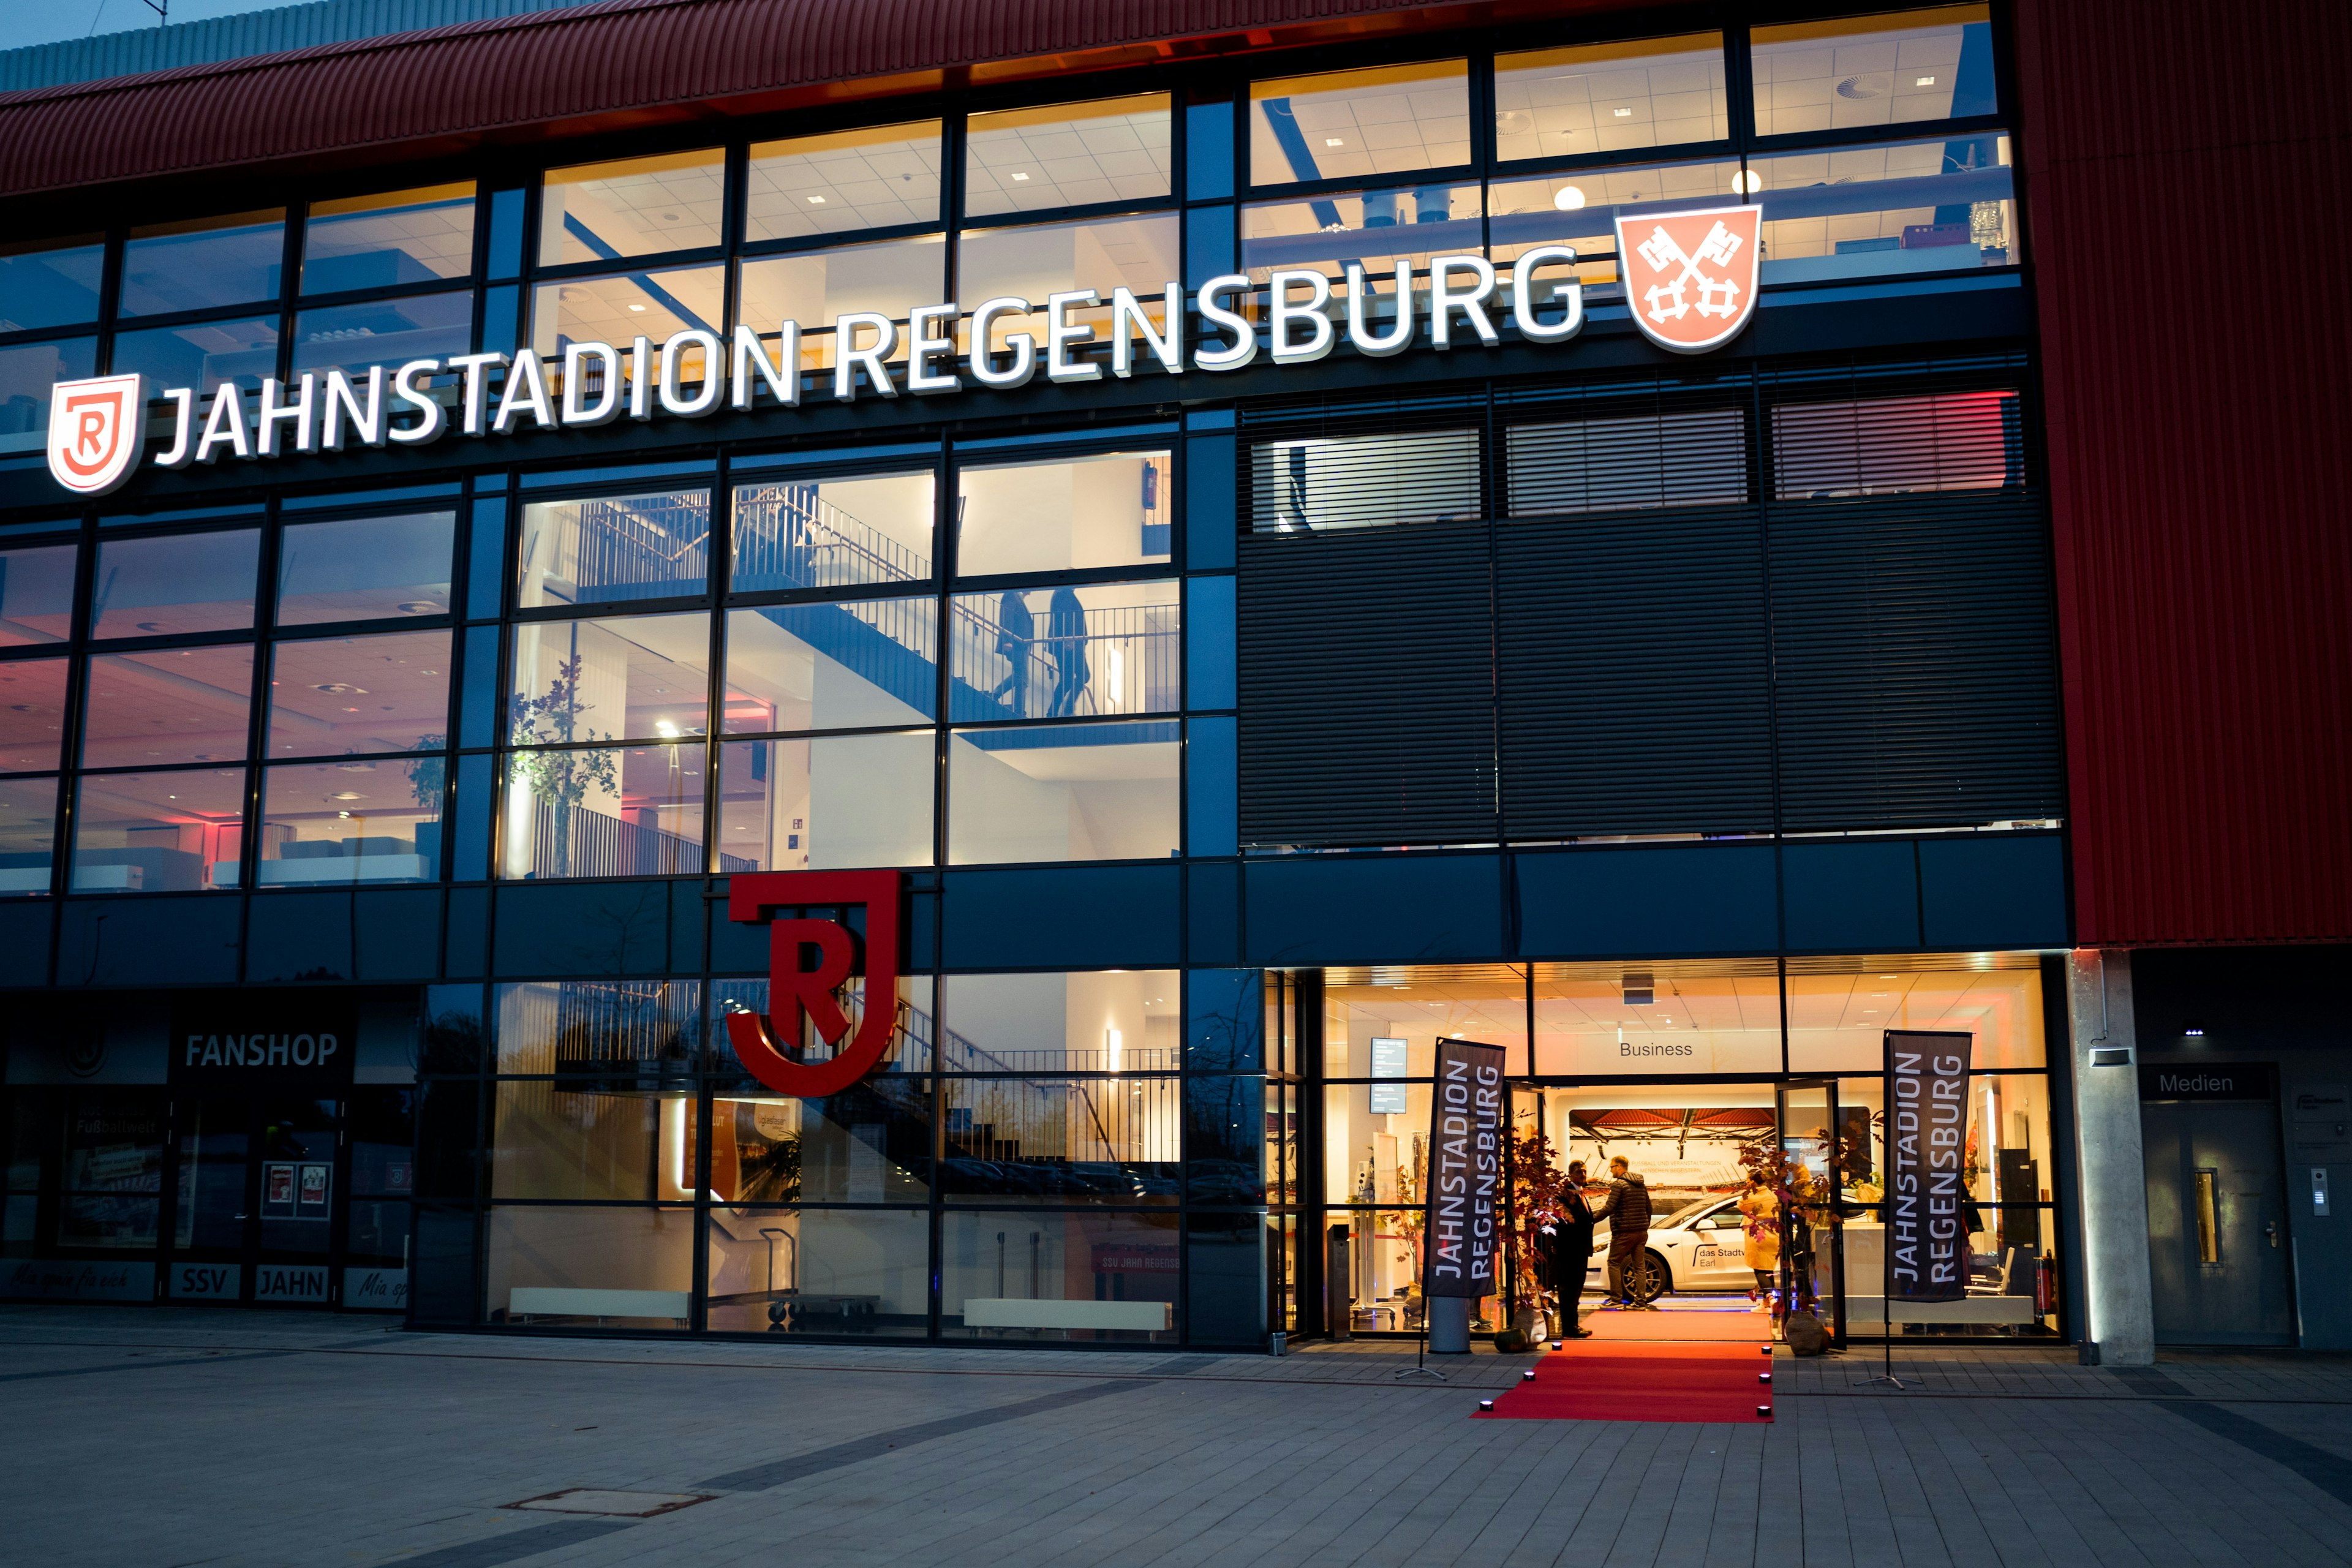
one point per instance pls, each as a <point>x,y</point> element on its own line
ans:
<point>1911,605</point>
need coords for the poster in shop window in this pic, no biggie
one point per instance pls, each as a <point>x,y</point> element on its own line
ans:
<point>278,1190</point>
<point>1927,1158</point>
<point>317,1178</point>
<point>1464,1222</point>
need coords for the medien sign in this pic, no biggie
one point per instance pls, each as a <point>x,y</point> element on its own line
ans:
<point>96,427</point>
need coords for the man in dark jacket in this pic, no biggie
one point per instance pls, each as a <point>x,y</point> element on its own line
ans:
<point>1568,1252</point>
<point>1627,1210</point>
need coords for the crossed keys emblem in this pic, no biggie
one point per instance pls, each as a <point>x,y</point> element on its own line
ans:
<point>1717,296</point>
<point>1693,276</point>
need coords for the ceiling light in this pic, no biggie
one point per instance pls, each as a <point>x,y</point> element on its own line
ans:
<point>346,795</point>
<point>666,729</point>
<point>1019,176</point>
<point>1925,81</point>
<point>2194,1031</point>
<point>817,201</point>
<point>636,306</point>
<point>1333,141</point>
<point>1747,182</point>
<point>1887,977</point>
<point>1623,113</point>
<point>1568,199</point>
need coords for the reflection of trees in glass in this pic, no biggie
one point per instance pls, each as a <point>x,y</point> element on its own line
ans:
<point>563,778</point>
<point>426,775</point>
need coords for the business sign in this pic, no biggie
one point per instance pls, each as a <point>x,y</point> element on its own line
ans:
<point>800,998</point>
<point>2232,1080</point>
<point>1698,296</point>
<point>1926,1143</point>
<point>1690,277</point>
<point>232,1041</point>
<point>1465,1223</point>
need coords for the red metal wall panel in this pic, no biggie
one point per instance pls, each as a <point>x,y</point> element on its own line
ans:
<point>626,59</point>
<point>2188,199</point>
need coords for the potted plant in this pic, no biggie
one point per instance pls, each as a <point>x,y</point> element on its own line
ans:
<point>1539,1192</point>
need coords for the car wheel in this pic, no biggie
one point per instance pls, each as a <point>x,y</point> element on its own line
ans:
<point>1656,1278</point>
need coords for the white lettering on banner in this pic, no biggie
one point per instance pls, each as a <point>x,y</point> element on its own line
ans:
<point>1465,1170</point>
<point>1927,1242</point>
<point>308,418</point>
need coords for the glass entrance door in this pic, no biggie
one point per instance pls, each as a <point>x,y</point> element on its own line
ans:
<point>213,1203</point>
<point>1813,1252</point>
<point>255,1201</point>
<point>295,1160</point>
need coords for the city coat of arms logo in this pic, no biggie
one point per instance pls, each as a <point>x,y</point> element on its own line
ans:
<point>1690,277</point>
<point>770,1046</point>
<point>95,429</point>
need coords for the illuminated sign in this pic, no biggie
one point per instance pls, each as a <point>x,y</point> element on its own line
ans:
<point>95,432</point>
<point>799,998</point>
<point>1690,277</point>
<point>1695,289</point>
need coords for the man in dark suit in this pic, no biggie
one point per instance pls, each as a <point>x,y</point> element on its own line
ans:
<point>1568,1252</point>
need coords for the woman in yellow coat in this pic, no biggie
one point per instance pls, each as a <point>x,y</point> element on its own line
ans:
<point>1761,1208</point>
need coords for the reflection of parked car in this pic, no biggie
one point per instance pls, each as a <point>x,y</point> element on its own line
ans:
<point>1699,1246</point>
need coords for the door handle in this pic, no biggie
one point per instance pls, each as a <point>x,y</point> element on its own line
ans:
<point>2269,1233</point>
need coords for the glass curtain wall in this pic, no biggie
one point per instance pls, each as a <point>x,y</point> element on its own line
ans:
<point>1673,1065</point>
<point>1873,146</point>
<point>1070,1156</point>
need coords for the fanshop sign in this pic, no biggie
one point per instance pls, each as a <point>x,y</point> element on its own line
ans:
<point>1690,278</point>
<point>801,995</point>
<point>262,1043</point>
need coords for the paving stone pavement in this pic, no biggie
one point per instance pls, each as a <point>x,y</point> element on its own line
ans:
<point>187,1436</point>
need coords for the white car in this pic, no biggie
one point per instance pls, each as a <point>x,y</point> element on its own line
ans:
<point>1699,1246</point>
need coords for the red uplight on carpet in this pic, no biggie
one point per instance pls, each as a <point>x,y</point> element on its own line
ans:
<point>1626,1380</point>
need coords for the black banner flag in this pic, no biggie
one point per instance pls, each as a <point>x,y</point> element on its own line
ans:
<point>1926,1139</point>
<point>1465,1171</point>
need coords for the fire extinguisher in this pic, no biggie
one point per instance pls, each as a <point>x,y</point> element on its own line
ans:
<point>2045,1285</point>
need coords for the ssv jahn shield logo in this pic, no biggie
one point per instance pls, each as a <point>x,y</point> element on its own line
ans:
<point>1690,277</point>
<point>96,428</point>
<point>769,1047</point>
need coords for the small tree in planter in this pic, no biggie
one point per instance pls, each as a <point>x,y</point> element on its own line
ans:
<point>1538,1197</point>
<point>561,778</point>
<point>1413,1221</point>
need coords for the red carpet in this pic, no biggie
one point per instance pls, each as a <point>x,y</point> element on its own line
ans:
<point>1707,1323</point>
<point>1618,1380</point>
